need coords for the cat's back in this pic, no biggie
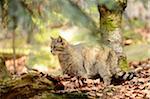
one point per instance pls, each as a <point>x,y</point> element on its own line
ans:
<point>78,47</point>
<point>88,52</point>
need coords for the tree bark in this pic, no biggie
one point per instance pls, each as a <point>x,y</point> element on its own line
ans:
<point>110,27</point>
<point>4,11</point>
<point>4,74</point>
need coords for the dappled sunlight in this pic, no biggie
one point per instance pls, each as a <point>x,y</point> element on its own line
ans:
<point>74,49</point>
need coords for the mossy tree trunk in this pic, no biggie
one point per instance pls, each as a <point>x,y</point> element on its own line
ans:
<point>110,23</point>
<point>4,74</point>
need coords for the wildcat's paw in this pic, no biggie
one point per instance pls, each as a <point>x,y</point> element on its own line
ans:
<point>107,81</point>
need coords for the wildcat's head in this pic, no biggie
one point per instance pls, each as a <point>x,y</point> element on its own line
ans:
<point>58,45</point>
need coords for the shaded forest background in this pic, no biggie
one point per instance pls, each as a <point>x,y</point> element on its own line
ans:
<point>26,27</point>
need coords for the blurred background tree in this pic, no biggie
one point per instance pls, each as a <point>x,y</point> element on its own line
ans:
<point>30,23</point>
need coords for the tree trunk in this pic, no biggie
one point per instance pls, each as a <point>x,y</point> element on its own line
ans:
<point>4,11</point>
<point>13,42</point>
<point>110,23</point>
<point>4,74</point>
<point>14,51</point>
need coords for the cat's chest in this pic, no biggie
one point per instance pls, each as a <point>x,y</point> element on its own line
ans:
<point>64,57</point>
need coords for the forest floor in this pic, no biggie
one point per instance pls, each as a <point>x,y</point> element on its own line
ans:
<point>137,88</point>
<point>65,86</point>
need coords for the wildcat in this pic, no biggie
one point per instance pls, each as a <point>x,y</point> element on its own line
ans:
<point>87,61</point>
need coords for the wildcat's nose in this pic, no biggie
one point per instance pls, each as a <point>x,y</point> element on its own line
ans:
<point>53,52</point>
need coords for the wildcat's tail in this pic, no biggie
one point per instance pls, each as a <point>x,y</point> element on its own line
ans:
<point>122,76</point>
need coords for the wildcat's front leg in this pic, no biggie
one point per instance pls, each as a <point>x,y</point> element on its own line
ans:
<point>105,73</point>
<point>107,80</point>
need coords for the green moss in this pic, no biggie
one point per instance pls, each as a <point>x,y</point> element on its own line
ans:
<point>123,64</point>
<point>110,25</point>
<point>110,21</point>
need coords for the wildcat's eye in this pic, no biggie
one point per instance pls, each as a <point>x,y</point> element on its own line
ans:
<point>62,43</point>
<point>59,39</point>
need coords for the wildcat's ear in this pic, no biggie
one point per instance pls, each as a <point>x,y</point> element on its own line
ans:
<point>51,38</point>
<point>60,38</point>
